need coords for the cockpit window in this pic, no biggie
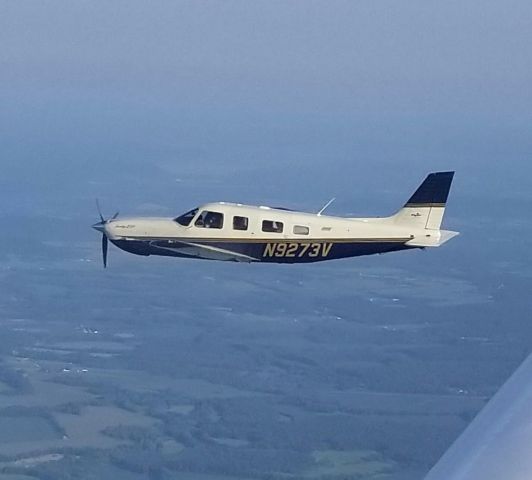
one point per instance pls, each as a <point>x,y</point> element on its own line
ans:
<point>210,220</point>
<point>186,218</point>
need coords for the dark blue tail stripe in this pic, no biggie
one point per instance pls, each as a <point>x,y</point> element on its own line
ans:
<point>434,190</point>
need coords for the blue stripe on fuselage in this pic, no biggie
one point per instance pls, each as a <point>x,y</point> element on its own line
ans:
<point>270,252</point>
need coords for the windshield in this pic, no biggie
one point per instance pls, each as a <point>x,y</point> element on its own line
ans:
<point>186,218</point>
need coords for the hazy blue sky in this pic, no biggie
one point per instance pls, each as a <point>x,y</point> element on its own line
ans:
<point>155,107</point>
<point>325,91</point>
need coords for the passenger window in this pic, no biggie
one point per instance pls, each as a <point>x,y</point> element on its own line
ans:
<point>272,226</point>
<point>240,223</point>
<point>210,220</point>
<point>301,230</point>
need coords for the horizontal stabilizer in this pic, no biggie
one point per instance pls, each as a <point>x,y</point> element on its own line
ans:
<point>433,239</point>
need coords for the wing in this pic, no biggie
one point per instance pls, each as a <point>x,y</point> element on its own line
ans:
<point>497,445</point>
<point>198,250</point>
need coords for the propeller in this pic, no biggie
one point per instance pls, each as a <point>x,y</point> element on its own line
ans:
<point>100,226</point>
<point>105,246</point>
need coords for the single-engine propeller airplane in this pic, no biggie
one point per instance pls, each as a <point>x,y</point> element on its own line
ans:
<point>243,233</point>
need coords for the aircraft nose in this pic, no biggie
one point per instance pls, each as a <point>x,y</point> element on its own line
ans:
<point>100,226</point>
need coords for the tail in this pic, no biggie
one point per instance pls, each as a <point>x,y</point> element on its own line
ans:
<point>424,211</point>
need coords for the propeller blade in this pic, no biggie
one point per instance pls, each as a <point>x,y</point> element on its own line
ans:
<point>104,250</point>
<point>115,215</point>
<point>99,211</point>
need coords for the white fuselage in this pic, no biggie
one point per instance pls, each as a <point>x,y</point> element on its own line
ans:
<point>319,227</point>
<point>229,231</point>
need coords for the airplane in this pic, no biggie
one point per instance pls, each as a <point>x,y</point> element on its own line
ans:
<point>244,233</point>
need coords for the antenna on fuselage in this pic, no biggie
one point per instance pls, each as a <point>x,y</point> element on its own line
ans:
<point>325,206</point>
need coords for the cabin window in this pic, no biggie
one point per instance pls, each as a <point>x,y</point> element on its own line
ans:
<point>186,218</point>
<point>301,230</point>
<point>210,220</point>
<point>240,223</point>
<point>272,226</point>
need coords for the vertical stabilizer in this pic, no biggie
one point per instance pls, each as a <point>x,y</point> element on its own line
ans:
<point>425,208</point>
